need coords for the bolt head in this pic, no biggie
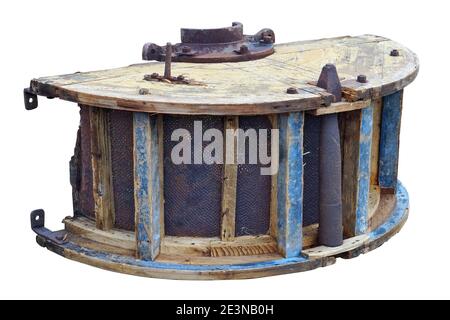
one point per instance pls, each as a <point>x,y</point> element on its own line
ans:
<point>243,49</point>
<point>186,49</point>
<point>144,91</point>
<point>361,78</point>
<point>292,90</point>
<point>395,53</point>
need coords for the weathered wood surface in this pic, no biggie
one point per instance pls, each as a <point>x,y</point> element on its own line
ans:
<point>356,170</point>
<point>148,201</point>
<point>390,141</point>
<point>101,168</point>
<point>290,184</point>
<point>229,185</point>
<point>253,87</point>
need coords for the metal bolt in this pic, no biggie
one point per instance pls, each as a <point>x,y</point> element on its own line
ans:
<point>144,91</point>
<point>186,49</point>
<point>292,90</point>
<point>168,62</point>
<point>361,78</point>
<point>243,49</point>
<point>395,53</point>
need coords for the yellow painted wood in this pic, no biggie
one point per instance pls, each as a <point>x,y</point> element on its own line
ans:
<point>253,87</point>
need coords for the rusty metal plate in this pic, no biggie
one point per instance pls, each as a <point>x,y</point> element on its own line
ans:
<point>227,44</point>
<point>311,158</point>
<point>86,183</point>
<point>192,192</point>
<point>253,189</point>
<point>121,131</point>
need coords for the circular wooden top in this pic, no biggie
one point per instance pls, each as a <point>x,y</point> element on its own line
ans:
<point>254,87</point>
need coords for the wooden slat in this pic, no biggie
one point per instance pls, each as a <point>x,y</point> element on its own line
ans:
<point>228,221</point>
<point>273,229</point>
<point>377,104</point>
<point>389,141</point>
<point>147,185</point>
<point>340,107</point>
<point>290,184</point>
<point>356,170</point>
<point>365,148</point>
<point>349,244</point>
<point>101,168</point>
<point>350,159</point>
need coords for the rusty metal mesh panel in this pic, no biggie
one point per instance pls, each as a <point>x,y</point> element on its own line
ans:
<point>192,192</point>
<point>121,131</point>
<point>253,189</point>
<point>86,187</point>
<point>311,145</point>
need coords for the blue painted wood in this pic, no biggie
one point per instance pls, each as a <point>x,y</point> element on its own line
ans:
<point>147,186</point>
<point>290,184</point>
<point>365,147</point>
<point>398,215</point>
<point>389,140</point>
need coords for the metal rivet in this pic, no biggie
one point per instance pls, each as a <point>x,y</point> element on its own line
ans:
<point>395,53</point>
<point>186,49</point>
<point>143,91</point>
<point>361,78</point>
<point>292,90</point>
<point>243,49</point>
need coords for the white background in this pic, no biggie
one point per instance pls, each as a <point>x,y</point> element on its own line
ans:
<point>40,38</point>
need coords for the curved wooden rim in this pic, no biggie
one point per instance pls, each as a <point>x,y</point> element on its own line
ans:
<point>312,97</point>
<point>156,269</point>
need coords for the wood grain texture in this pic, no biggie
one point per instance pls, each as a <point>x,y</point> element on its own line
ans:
<point>229,185</point>
<point>377,105</point>
<point>390,141</point>
<point>101,168</point>
<point>243,88</point>
<point>356,170</point>
<point>365,148</point>
<point>147,185</point>
<point>340,107</point>
<point>273,228</point>
<point>290,184</point>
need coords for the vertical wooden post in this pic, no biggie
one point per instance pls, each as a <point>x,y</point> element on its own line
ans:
<point>273,230</point>
<point>389,141</point>
<point>147,187</point>
<point>101,168</point>
<point>290,184</point>
<point>228,221</point>
<point>356,170</point>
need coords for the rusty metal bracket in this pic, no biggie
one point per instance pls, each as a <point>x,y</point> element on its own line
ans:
<point>30,99</point>
<point>227,44</point>
<point>37,218</point>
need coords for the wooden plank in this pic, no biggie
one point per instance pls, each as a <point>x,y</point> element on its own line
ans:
<point>340,107</point>
<point>147,185</point>
<point>356,170</point>
<point>365,148</point>
<point>389,141</point>
<point>290,184</point>
<point>229,185</point>
<point>377,105</point>
<point>349,244</point>
<point>235,88</point>
<point>85,228</point>
<point>101,168</point>
<point>350,159</point>
<point>273,229</point>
